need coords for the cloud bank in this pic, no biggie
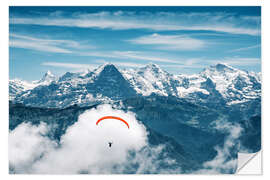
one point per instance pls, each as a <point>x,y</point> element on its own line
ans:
<point>27,143</point>
<point>161,21</point>
<point>224,162</point>
<point>84,147</point>
<point>170,42</point>
<point>45,45</point>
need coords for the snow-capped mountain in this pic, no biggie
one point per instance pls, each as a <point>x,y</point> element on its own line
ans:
<point>224,82</point>
<point>17,86</point>
<point>151,79</point>
<point>219,84</point>
<point>104,84</point>
<point>46,79</point>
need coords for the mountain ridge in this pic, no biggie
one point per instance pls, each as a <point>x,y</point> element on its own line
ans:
<point>216,84</point>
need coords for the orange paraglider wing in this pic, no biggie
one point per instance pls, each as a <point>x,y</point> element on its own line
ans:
<point>112,117</point>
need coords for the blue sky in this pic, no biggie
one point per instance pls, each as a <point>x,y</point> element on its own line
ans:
<point>178,39</point>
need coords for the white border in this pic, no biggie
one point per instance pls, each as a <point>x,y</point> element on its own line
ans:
<point>4,77</point>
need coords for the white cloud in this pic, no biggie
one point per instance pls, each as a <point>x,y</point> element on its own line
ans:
<point>224,162</point>
<point>203,62</point>
<point>84,147</point>
<point>122,64</point>
<point>37,46</point>
<point>45,45</point>
<point>256,19</point>
<point>76,67</point>
<point>239,61</point>
<point>121,20</point>
<point>170,42</point>
<point>127,64</point>
<point>27,143</point>
<point>183,66</point>
<point>142,56</point>
<point>246,48</point>
<point>68,65</point>
<point>226,29</point>
<point>134,55</point>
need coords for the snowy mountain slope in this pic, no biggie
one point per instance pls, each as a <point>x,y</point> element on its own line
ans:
<point>17,86</point>
<point>234,85</point>
<point>220,84</point>
<point>189,85</point>
<point>151,79</point>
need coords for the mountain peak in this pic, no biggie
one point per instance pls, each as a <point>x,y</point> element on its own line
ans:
<point>109,65</point>
<point>105,66</point>
<point>109,68</point>
<point>47,77</point>
<point>49,73</point>
<point>222,67</point>
<point>154,68</point>
<point>152,65</point>
<point>218,68</point>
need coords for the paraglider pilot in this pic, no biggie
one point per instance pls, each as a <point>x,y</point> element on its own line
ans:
<point>110,144</point>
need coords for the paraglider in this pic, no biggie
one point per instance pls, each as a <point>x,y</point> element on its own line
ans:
<point>110,144</point>
<point>112,117</point>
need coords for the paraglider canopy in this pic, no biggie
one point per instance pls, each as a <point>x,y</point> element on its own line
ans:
<point>112,117</point>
